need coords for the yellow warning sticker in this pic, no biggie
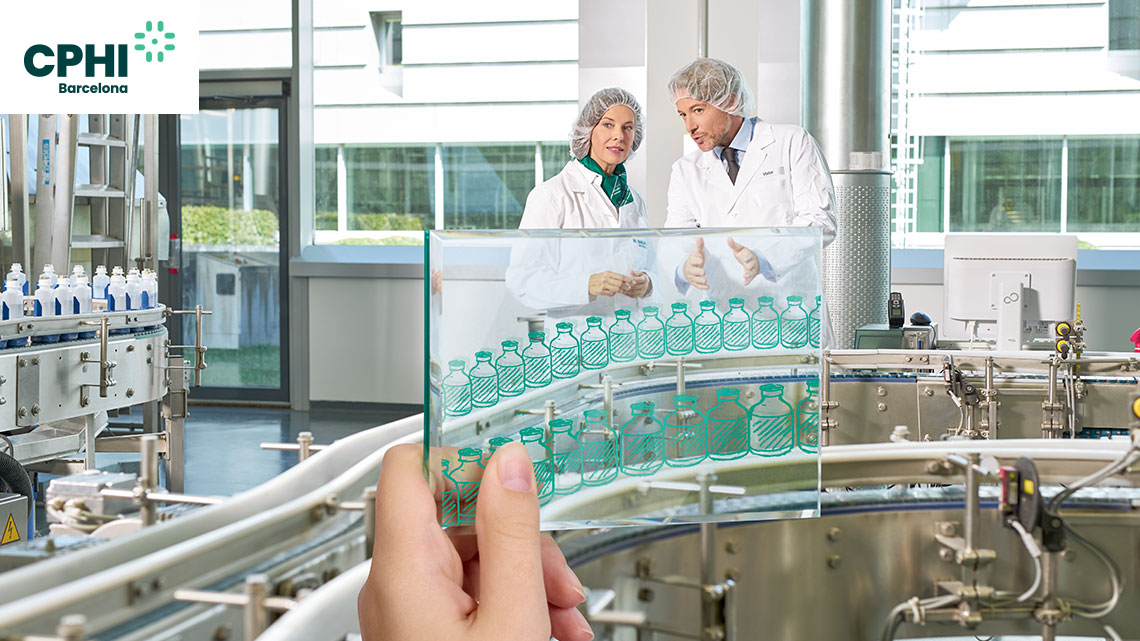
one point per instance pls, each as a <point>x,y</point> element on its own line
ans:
<point>1027,484</point>
<point>11,534</point>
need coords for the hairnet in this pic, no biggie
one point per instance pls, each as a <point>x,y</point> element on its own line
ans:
<point>715,82</point>
<point>592,113</point>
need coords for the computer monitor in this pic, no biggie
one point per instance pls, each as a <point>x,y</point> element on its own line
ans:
<point>1009,289</point>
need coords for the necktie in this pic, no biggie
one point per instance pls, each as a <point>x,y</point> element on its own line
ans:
<point>733,166</point>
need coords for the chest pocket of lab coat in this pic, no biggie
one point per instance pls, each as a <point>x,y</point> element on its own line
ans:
<point>769,193</point>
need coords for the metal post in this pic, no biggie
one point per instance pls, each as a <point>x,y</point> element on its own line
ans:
<point>148,476</point>
<point>21,211</point>
<point>4,212</point>
<point>199,349</point>
<point>548,414</point>
<point>991,399</point>
<point>826,422</point>
<point>1048,613</point>
<point>710,608</point>
<point>703,28</point>
<point>46,157</point>
<point>369,520</point>
<point>149,257</point>
<point>174,415</point>
<point>89,436</point>
<point>680,375</point>
<point>304,440</point>
<point>129,187</point>
<point>64,204</point>
<point>1050,406</point>
<point>971,519</point>
<point>256,617</point>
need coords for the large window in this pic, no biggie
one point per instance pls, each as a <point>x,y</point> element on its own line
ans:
<point>389,188</point>
<point>1005,185</point>
<point>1123,25</point>
<point>486,185</point>
<point>1104,184</point>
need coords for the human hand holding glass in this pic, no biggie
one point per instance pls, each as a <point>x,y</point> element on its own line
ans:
<point>608,283</point>
<point>639,285</point>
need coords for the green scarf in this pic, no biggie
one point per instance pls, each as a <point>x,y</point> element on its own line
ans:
<point>614,185</point>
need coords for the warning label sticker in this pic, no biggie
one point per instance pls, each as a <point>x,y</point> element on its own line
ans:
<point>11,534</point>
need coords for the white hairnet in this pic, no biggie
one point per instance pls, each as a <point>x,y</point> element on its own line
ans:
<point>592,113</point>
<point>715,82</point>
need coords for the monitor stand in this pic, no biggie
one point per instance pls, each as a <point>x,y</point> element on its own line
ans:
<point>1010,288</point>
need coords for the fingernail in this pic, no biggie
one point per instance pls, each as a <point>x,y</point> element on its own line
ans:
<point>576,584</point>
<point>515,471</point>
<point>584,626</point>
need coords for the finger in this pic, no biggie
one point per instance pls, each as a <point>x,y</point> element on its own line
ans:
<point>701,245</point>
<point>748,278</point>
<point>568,624</point>
<point>732,244</point>
<point>563,589</point>
<point>405,505</point>
<point>512,594</point>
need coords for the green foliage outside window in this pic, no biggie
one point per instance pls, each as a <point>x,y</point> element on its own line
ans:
<point>210,225</point>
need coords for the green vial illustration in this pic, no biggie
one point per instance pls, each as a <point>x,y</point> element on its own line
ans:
<point>794,324</point>
<point>765,325</point>
<point>536,361</point>
<point>567,456</point>
<point>679,331</point>
<point>456,390</point>
<point>727,426</point>
<point>510,370</point>
<point>564,361</point>
<point>807,419</point>
<point>709,338</point>
<point>484,381</point>
<point>813,323</point>
<point>651,335</point>
<point>770,422</point>
<point>686,435</point>
<point>623,338</point>
<point>493,445</point>
<point>599,449</point>
<point>541,456</point>
<point>736,325</point>
<point>466,478</point>
<point>642,441</point>
<point>449,502</point>
<point>595,344</point>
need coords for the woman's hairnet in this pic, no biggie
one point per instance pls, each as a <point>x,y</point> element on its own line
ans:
<point>715,82</point>
<point>592,113</point>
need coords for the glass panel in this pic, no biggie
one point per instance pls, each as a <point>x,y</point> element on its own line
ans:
<point>486,185</point>
<point>929,185</point>
<point>1123,25</point>
<point>555,155</point>
<point>390,188</point>
<point>326,188</point>
<point>231,242</point>
<point>521,351</point>
<point>1005,185</point>
<point>1104,184</point>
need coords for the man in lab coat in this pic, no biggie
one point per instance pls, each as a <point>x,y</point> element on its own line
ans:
<point>746,173</point>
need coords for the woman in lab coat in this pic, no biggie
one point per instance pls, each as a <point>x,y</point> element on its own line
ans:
<point>579,276</point>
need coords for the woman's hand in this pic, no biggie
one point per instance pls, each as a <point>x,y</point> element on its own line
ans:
<point>507,581</point>
<point>609,284</point>
<point>640,285</point>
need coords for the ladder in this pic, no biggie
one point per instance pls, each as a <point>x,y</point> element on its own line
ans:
<point>907,147</point>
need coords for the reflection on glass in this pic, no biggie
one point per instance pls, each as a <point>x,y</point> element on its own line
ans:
<point>1005,185</point>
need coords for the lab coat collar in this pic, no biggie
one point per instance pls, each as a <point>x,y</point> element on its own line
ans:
<point>582,180</point>
<point>754,156</point>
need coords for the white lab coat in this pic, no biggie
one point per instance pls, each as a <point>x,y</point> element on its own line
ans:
<point>553,274</point>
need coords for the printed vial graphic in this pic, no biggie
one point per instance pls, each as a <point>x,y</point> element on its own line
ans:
<point>595,344</point>
<point>813,323</point>
<point>651,335</point>
<point>623,338</point>
<point>727,426</point>
<point>642,441</point>
<point>736,325</point>
<point>510,369</point>
<point>771,423</point>
<point>494,444</point>
<point>484,381</point>
<point>567,456</point>
<point>564,352</point>
<point>794,324</point>
<point>679,331</point>
<point>448,504</point>
<point>599,449</point>
<point>765,325</point>
<point>536,361</point>
<point>541,456</point>
<point>456,390</point>
<point>467,477</point>
<point>807,419</point>
<point>686,436</point>
<point>709,338</point>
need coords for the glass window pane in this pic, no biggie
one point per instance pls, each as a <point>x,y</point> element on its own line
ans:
<point>326,187</point>
<point>486,185</point>
<point>1005,185</point>
<point>929,185</point>
<point>1104,184</point>
<point>555,155</point>
<point>1123,25</point>
<point>390,188</point>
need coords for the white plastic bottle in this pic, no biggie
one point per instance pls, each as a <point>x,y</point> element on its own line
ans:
<point>134,290</point>
<point>65,305</point>
<point>18,273</point>
<point>45,306</point>
<point>12,300</point>
<point>82,292</point>
<point>150,289</point>
<point>99,283</point>
<point>49,271</point>
<point>117,293</point>
<point>76,272</point>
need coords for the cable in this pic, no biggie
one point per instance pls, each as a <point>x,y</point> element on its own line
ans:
<point>1114,575</point>
<point>918,608</point>
<point>1035,552</point>
<point>1112,633</point>
<point>1124,461</point>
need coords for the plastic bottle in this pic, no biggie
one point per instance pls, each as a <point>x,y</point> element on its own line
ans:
<point>12,299</point>
<point>650,335</point>
<point>642,441</point>
<point>765,325</point>
<point>484,381</point>
<point>509,367</point>
<point>709,339</point>
<point>99,283</point>
<point>45,306</point>
<point>467,476</point>
<point>117,294</point>
<point>564,358</point>
<point>686,433</point>
<point>49,271</point>
<point>534,439</point>
<point>595,344</point>
<point>727,426</point>
<point>456,390</point>
<point>623,338</point>
<point>82,292</point>
<point>76,272</point>
<point>807,419</point>
<point>794,324</point>
<point>134,290</point>
<point>65,306</point>
<point>771,423</point>
<point>18,273</point>
<point>536,361</point>
<point>599,449</point>
<point>679,331</point>
<point>150,289</point>
<point>813,323</point>
<point>736,325</point>
<point>567,456</point>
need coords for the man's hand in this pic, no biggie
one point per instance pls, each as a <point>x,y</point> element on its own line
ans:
<point>640,285</point>
<point>694,268</point>
<point>609,284</point>
<point>747,260</point>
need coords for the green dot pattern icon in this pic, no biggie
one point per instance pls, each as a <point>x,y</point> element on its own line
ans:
<point>160,41</point>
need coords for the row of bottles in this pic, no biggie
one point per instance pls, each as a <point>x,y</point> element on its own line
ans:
<point>567,459</point>
<point>566,355</point>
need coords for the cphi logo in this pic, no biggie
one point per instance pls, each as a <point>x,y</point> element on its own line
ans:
<point>38,59</point>
<point>154,40</point>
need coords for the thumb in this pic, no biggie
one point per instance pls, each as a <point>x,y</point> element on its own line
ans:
<point>701,245</point>
<point>512,595</point>
<point>733,246</point>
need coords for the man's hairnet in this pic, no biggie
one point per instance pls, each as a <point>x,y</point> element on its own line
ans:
<point>592,113</point>
<point>715,82</point>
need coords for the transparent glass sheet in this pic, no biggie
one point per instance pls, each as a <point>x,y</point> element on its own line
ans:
<point>649,401</point>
